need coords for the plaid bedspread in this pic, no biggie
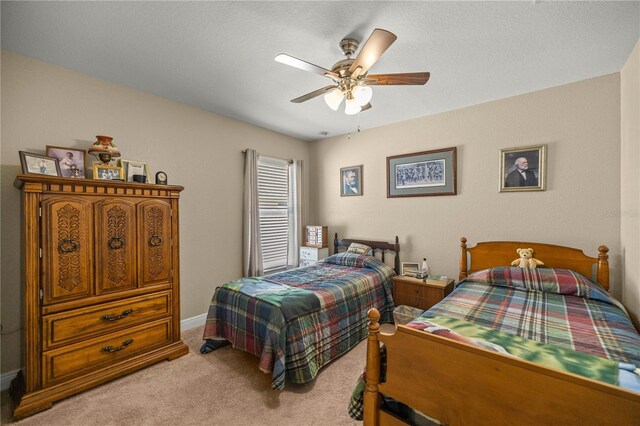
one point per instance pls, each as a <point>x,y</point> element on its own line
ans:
<point>554,306</point>
<point>255,314</point>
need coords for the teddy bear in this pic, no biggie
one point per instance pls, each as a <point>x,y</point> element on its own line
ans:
<point>526,259</point>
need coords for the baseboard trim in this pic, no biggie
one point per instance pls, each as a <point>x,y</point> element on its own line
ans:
<point>193,322</point>
<point>185,324</point>
<point>6,378</point>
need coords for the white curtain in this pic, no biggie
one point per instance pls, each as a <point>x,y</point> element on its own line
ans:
<point>251,245</point>
<point>295,213</point>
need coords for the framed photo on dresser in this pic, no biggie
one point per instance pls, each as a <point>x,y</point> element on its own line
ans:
<point>523,168</point>
<point>39,164</point>
<point>73,161</point>
<point>107,172</point>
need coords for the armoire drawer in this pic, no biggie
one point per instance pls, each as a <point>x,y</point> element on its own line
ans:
<point>74,360</point>
<point>85,323</point>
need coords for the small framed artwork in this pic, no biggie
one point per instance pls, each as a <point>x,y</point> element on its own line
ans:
<point>409,268</point>
<point>351,181</point>
<point>73,161</point>
<point>107,172</point>
<point>39,164</point>
<point>135,171</point>
<point>523,168</point>
<point>422,174</point>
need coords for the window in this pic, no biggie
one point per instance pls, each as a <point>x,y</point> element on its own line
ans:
<point>273,191</point>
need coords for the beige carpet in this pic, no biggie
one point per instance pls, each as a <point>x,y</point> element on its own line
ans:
<point>224,387</point>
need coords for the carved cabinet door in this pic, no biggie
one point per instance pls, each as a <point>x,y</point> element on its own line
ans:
<point>154,239</point>
<point>115,245</point>
<point>67,249</point>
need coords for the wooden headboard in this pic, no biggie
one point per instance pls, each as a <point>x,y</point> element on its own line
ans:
<point>381,245</point>
<point>489,254</point>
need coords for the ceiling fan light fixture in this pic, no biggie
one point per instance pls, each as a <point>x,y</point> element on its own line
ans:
<point>351,107</point>
<point>334,99</point>
<point>362,94</point>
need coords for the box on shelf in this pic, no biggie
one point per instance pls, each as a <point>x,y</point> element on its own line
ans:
<point>316,236</point>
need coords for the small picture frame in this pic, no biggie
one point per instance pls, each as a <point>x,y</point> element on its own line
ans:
<point>132,168</point>
<point>73,161</point>
<point>107,172</point>
<point>422,174</point>
<point>351,181</point>
<point>523,168</point>
<point>410,268</point>
<point>39,164</point>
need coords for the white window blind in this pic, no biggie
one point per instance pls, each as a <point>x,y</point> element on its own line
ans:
<point>274,220</point>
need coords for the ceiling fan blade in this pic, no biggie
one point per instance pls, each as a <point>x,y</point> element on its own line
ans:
<point>366,107</point>
<point>414,78</point>
<point>313,94</point>
<point>283,58</point>
<point>375,46</point>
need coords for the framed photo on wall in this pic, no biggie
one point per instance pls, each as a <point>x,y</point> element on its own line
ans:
<point>107,172</point>
<point>39,164</point>
<point>422,174</point>
<point>523,168</point>
<point>73,161</point>
<point>351,181</point>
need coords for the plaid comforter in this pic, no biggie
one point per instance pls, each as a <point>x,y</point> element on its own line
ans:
<point>555,306</point>
<point>329,316</point>
<point>563,320</point>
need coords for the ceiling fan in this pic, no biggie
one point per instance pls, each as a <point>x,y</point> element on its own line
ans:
<point>351,81</point>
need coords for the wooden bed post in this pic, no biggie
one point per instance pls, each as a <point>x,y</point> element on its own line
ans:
<point>463,259</point>
<point>371,397</point>
<point>335,243</point>
<point>603,266</point>
<point>397,250</point>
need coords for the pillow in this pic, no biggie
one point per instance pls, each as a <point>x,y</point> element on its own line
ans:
<point>358,248</point>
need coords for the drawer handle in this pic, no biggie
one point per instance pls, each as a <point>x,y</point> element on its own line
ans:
<point>111,349</point>
<point>112,317</point>
<point>155,241</point>
<point>68,246</point>
<point>115,243</point>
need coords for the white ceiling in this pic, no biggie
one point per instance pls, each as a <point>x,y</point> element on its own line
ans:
<point>219,55</point>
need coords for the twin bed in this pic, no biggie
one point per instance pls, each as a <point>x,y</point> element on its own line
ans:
<point>512,346</point>
<point>508,346</point>
<point>300,320</point>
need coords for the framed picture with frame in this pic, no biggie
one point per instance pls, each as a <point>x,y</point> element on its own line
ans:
<point>523,168</point>
<point>107,172</point>
<point>39,164</point>
<point>73,161</point>
<point>351,181</point>
<point>133,168</point>
<point>422,174</point>
<point>409,267</point>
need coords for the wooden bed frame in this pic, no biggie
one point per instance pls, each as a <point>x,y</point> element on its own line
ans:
<point>381,245</point>
<point>458,384</point>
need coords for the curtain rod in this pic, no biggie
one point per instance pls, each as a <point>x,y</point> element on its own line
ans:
<point>289,160</point>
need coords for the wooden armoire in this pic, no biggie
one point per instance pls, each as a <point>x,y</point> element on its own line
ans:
<point>101,284</point>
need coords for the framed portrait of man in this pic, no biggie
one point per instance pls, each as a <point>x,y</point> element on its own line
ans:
<point>351,181</point>
<point>523,168</point>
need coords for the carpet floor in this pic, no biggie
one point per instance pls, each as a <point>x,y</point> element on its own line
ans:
<point>224,387</point>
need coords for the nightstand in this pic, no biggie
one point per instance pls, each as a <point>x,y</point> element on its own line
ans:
<point>311,255</point>
<point>420,293</point>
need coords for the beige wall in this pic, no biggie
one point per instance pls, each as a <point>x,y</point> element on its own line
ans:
<point>630,182</point>
<point>579,122</point>
<point>44,104</point>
